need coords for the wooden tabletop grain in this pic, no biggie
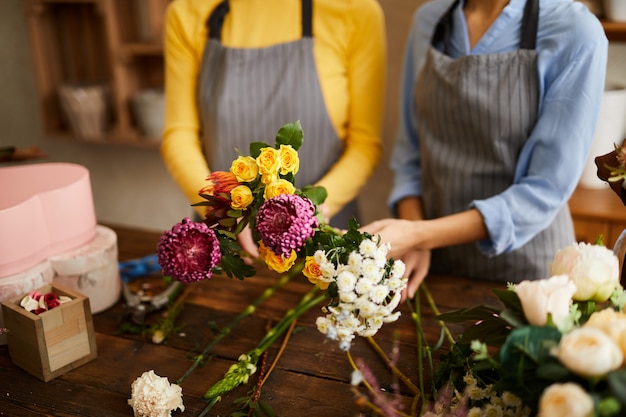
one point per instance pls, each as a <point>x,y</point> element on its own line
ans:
<point>311,377</point>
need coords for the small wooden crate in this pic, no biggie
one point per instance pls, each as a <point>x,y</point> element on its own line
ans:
<point>54,342</point>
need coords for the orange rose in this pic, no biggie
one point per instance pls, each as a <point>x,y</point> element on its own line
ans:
<point>276,262</point>
<point>289,161</point>
<point>313,272</point>
<point>278,187</point>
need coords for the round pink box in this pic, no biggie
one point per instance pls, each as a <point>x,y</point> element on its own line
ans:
<point>45,209</point>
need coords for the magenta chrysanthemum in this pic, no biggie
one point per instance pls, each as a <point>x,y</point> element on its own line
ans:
<point>284,223</point>
<point>189,251</point>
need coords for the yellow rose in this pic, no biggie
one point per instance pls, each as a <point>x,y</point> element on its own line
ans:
<point>244,168</point>
<point>588,352</point>
<point>240,197</point>
<point>267,179</point>
<point>313,273</point>
<point>565,400</point>
<point>268,161</point>
<point>289,161</point>
<point>278,187</point>
<point>276,262</point>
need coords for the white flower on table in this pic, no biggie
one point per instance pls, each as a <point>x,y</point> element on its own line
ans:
<point>154,396</point>
<point>565,400</point>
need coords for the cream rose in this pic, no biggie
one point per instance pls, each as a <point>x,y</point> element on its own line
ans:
<point>268,161</point>
<point>588,352</point>
<point>593,268</point>
<point>612,323</point>
<point>547,296</point>
<point>240,197</point>
<point>289,161</point>
<point>565,400</point>
<point>278,187</point>
<point>244,168</point>
<point>154,396</point>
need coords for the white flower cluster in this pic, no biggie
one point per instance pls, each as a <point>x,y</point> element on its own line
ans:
<point>369,290</point>
<point>154,396</point>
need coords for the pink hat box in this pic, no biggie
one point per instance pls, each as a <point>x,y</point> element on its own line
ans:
<point>45,209</point>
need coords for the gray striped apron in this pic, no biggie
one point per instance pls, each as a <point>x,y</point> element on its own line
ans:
<point>246,94</point>
<point>475,114</point>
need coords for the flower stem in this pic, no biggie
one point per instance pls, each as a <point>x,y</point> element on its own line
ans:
<point>239,373</point>
<point>433,306</point>
<point>246,312</point>
<point>397,372</point>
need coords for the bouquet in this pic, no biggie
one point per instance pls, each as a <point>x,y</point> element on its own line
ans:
<point>349,270</point>
<point>558,348</point>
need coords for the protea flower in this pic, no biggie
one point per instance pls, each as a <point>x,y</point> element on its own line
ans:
<point>189,251</point>
<point>220,184</point>
<point>285,222</point>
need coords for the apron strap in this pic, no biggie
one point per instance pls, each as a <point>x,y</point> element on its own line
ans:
<point>215,22</point>
<point>530,22</point>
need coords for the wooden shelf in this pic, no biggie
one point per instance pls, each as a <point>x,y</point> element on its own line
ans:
<point>597,212</point>
<point>118,50</point>
<point>615,31</point>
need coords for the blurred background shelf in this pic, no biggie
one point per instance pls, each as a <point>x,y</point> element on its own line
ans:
<point>114,46</point>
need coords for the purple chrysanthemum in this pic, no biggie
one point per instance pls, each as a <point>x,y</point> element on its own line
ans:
<point>284,223</point>
<point>189,251</point>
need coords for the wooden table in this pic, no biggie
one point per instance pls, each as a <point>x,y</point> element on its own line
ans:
<point>311,378</point>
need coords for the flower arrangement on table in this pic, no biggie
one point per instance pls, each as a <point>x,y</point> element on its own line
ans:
<point>349,269</point>
<point>558,348</point>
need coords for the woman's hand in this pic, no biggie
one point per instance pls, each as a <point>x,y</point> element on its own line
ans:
<point>417,263</point>
<point>247,244</point>
<point>400,233</point>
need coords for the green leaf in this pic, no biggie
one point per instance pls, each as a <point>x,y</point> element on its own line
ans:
<point>255,148</point>
<point>481,312</point>
<point>492,331</point>
<point>509,298</point>
<point>617,384</point>
<point>525,351</point>
<point>290,134</point>
<point>317,194</point>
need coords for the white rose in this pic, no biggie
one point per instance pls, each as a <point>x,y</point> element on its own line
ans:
<point>589,352</point>
<point>154,396</point>
<point>565,400</point>
<point>552,295</point>
<point>612,323</point>
<point>593,268</point>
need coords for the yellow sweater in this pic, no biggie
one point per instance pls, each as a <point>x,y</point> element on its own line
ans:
<point>350,55</point>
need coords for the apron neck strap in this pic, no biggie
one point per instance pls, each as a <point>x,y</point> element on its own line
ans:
<point>215,22</point>
<point>530,22</point>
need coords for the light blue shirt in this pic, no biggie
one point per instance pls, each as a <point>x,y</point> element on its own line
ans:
<point>571,64</point>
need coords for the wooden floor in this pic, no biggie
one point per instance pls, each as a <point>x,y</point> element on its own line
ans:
<point>312,377</point>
